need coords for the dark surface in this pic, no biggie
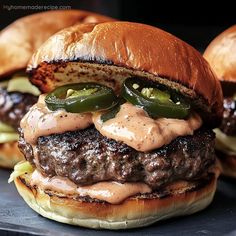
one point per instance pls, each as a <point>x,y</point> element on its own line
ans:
<point>87,157</point>
<point>193,21</point>
<point>218,219</point>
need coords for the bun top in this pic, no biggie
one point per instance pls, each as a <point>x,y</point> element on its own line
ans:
<point>221,55</point>
<point>20,39</point>
<point>116,50</point>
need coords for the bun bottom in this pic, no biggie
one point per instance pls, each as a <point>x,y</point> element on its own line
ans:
<point>228,164</point>
<point>10,155</point>
<point>132,213</point>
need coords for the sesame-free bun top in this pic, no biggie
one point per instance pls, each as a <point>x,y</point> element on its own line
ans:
<point>20,39</point>
<point>221,55</point>
<point>110,52</point>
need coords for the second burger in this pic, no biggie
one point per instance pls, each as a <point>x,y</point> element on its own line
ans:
<point>221,55</point>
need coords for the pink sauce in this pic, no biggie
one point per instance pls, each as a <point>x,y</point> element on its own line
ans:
<point>40,121</point>
<point>112,192</point>
<point>134,127</point>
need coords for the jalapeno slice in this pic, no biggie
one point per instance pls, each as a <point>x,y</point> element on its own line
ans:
<point>156,102</point>
<point>81,97</point>
<point>111,113</point>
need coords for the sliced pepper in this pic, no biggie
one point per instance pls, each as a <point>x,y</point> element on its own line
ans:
<point>81,97</point>
<point>111,113</point>
<point>156,102</point>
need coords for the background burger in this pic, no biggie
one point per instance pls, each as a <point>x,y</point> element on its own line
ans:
<point>221,54</point>
<point>17,43</point>
<point>122,138</point>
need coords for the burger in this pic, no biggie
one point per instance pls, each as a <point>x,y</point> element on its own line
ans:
<point>121,136</point>
<point>221,55</point>
<point>17,43</point>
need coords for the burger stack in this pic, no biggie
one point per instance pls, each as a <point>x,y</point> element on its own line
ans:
<point>121,136</point>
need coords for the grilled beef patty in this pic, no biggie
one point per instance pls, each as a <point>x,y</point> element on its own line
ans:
<point>228,125</point>
<point>14,105</point>
<point>87,157</point>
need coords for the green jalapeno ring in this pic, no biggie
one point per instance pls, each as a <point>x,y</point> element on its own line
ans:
<point>111,113</point>
<point>159,106</point>
<point>81,97</point>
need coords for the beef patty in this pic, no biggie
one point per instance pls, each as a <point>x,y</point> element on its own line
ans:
<point>14,105</point>
<point>228,125</point>
<point>87,157</point>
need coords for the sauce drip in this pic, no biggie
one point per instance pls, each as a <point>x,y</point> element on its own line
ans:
<point>112,192</point>
<point>40,121</point>
<point>134,127</point>
<point>131,125</point>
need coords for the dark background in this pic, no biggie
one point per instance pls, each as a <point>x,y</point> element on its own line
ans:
<point>196,22</point>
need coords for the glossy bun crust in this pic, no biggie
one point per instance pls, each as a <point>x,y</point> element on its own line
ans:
<point>21,38</point>
<point>112,51</point>
<point>221,55</point>
<point>132,213</point>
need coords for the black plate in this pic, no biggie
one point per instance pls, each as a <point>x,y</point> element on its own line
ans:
<point>16,218</point>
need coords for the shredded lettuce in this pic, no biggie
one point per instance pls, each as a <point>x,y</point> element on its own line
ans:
<point>20,169</point>
<point>6,128</point>
<point>225,143</point>
<point>7,133</point>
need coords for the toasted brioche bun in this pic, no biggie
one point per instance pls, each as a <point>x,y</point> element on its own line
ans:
<point>131,213</point>
<point>10,154</point>
<point>21,38</point>
<point>221,54</point>
<point>110,52</point>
